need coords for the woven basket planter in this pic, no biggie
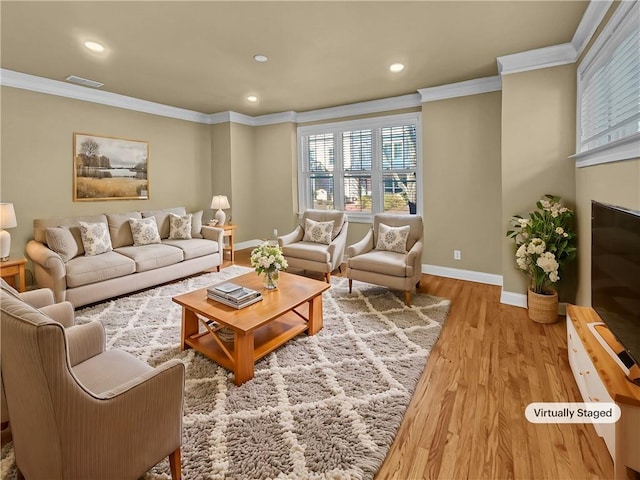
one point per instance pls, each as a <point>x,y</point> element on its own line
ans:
<point>542,308</point>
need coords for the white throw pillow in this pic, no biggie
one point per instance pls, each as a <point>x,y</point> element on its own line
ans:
<point>392,239</point>
<point>95,238</point>
<point>196,224</point>
<point>318,232</point>
<point>144,231</point>
<point>179,226</point>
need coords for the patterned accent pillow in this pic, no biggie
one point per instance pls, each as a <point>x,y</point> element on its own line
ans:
<point>61,241</point>
<point>95,238</point>
<point>318,232</point>
<point>392,239</point>
<point>144,231</point>
<point>179,226</point>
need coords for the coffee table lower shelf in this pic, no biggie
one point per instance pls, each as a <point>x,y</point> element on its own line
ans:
<point>246,349</point>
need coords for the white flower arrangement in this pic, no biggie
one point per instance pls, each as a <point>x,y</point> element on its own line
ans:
<point>268,258</point>
<point>544,242</point>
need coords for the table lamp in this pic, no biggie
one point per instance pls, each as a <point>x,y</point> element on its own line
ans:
<point>220,202</point>
<point>7,220</point>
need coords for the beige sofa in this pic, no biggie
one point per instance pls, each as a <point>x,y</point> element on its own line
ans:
<point>82,279</point>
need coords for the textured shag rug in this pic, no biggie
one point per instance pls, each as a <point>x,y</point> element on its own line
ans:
<point>325,406</point>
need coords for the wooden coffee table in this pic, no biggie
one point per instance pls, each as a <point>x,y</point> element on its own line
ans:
<point>294,307</point>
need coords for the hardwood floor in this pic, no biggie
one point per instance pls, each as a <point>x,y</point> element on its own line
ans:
<point>466,419</point>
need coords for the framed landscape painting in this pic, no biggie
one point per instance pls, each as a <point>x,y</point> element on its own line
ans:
<point>107,168</point>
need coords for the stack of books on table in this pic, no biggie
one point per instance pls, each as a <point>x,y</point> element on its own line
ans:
<point>233,295</point>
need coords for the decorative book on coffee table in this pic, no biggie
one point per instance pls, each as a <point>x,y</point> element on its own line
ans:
<point>233,295</point>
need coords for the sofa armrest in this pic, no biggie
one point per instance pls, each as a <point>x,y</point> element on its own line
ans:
<point>85,341</point>
<point>38,298</point>
<point>291,237</point>
<point>51,271</point>
<point>62,313</point>
<point>363,246</point>
<point>338,245</point>
<point>214,234</point>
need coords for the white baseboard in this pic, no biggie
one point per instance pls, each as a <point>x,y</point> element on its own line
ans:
<point>459,274</point>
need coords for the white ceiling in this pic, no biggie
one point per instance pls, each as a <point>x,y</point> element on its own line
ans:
<point>198,55</point>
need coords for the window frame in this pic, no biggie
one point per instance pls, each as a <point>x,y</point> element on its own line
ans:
<point>377,172</point>
<point>610,38</point>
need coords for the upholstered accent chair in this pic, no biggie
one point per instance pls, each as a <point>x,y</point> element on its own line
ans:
<point>43,299</point>
<point>317,244</point>
<point>384,257</point>
<point>78,411</point>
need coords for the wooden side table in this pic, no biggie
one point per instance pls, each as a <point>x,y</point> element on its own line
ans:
<point>229,232</point>
<point>12,268</point>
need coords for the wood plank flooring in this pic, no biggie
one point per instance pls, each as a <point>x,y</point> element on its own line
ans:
<point>466,419</point>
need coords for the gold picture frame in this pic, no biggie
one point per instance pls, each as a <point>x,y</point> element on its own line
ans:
<point>109,168</point>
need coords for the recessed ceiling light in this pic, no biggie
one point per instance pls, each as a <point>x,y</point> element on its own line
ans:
<point>260,58</point>
<point>396,67</point>
<point>252,98</point>
<point>94,46</point>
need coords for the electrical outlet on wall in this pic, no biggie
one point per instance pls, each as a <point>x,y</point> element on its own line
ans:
<point>457,255</point>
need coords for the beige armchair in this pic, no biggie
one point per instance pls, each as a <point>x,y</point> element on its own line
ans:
<point>372,261</point>
<point>78,411</point>
<point>43,299</point>
<point>320,249</point>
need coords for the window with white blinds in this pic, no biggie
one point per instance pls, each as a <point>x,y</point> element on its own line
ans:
<point>609,85</point>
<point>361,167</point>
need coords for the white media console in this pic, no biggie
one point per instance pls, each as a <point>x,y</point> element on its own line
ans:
<point>601,377</point>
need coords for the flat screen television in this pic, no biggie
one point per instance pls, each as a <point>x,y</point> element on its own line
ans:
<point>615,274</point>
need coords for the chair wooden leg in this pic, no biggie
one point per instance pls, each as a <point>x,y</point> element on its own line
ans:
<point>407,298</point>
<point>218,268</point>
<point>327,277</point>
<point>175,465</point>
<point>350,285</point>
<point>339,269</point>
<point>418,284</point>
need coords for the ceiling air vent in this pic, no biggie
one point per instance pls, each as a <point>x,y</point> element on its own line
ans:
<point>83,81</point>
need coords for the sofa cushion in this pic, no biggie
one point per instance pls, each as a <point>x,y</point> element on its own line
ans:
<point>392,239</point>
<point>380,261</point>
<point>179,226</point>
<point>155,255</point>
<point>144,231</point>
<point>61,241</point>
<point>95,238</point>
<point>85,270</point>
<point>40,227</point>
<point>110,369</point>
<point>194,247</point>
<point>162,218</point>
<point>196,225</point>
<point>318,232</point>
<point>119,228</point>
<point>316,252</point>
<point>337,216</point>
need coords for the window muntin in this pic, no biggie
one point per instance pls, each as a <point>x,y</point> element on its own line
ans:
<point>361,167</point>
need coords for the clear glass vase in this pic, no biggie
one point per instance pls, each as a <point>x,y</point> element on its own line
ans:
<point>271,279</point>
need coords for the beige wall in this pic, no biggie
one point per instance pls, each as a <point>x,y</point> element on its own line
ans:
<point>615,183</point>
<point>461,179</point>
<point>221,164</point>
<point>538,136</point>
<point>37,158</point>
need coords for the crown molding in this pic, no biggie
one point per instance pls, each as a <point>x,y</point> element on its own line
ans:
<point>273,118</point>
<point>461,89</point>
<point>10,78</point>
<point>591,19</point>
<point>360,108</point>
<point>546,57</point>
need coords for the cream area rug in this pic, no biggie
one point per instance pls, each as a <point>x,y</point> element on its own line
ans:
<point>325,406</point>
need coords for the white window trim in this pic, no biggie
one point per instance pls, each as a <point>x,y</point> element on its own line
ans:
<point>623,149</point>
<point>338,127</point>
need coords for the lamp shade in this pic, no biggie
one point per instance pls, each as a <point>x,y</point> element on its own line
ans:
<point>220,201</point>
<point>7,216</point>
